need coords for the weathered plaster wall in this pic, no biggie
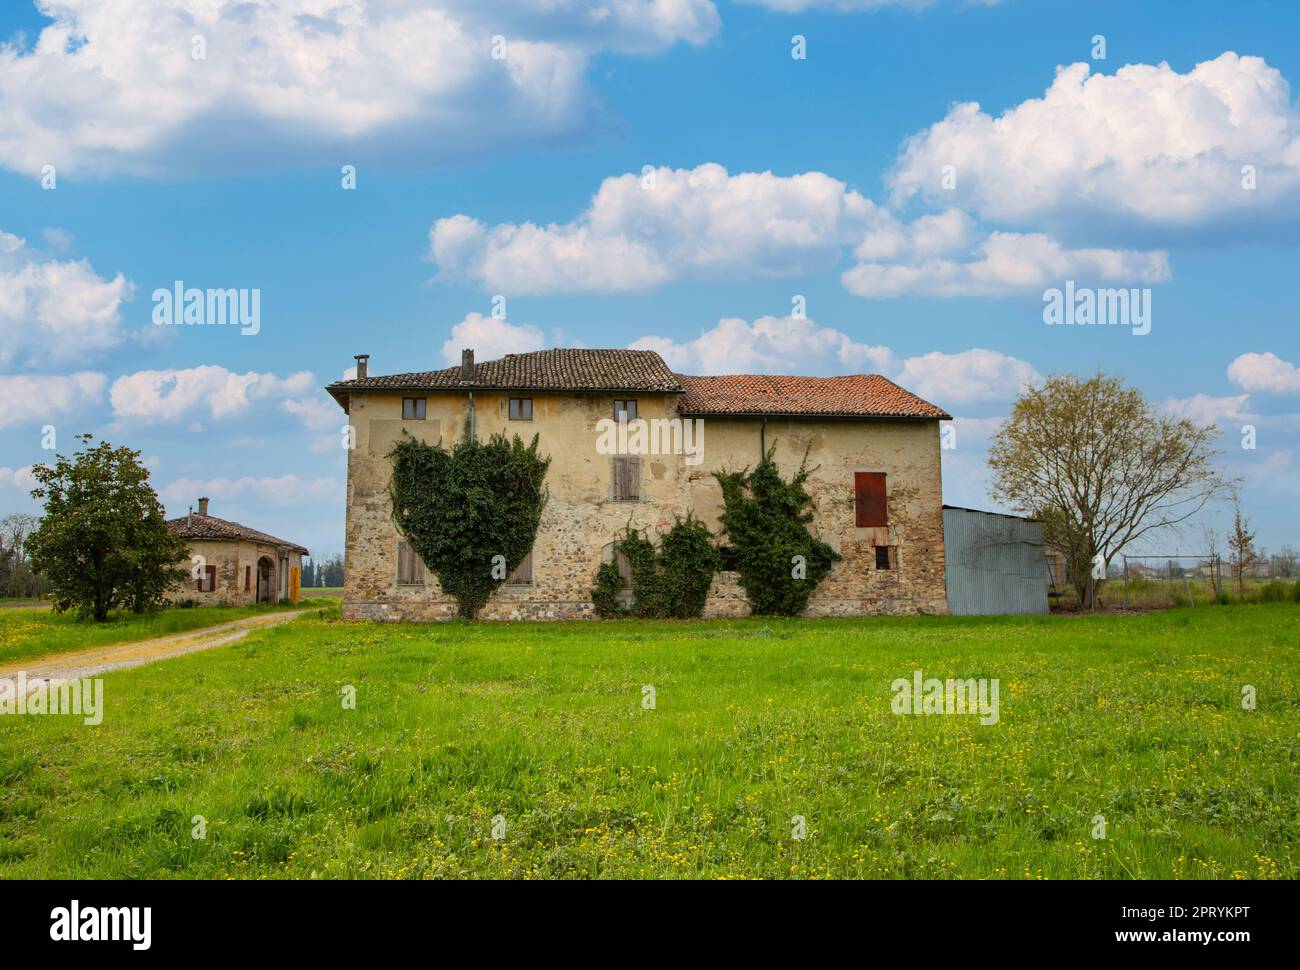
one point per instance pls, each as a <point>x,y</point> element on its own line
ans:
<point>581,516</point>
<point>231,557</point>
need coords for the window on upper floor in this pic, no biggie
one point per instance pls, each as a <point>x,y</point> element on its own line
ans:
<point>625,410</point>
<point>626,473</point>
<point>521,409</point>
<point>413,408</point>
<point>869,499</point>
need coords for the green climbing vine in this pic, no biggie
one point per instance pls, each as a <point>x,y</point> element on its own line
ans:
<point>470,512</point>
<point>765,520</point>
<point>668,582</point>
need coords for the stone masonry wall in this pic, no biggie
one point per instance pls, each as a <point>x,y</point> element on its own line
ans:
<point>581,518</point>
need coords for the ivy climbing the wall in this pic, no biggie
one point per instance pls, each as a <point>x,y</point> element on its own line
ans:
<point>766,521</point>
<point>668,582</point>
<point>470,513</point>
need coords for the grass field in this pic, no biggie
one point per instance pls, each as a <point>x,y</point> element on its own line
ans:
<point>29,633</point>
<point>1134,718</point>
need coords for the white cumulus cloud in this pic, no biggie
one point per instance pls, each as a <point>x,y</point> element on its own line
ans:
<point>172,395</point>
<point>1001,263</point>
<point>643,230</point>
<point>55,311</point>
<point>1265,372</point>
<point>1147,142</point>
<point>164,87</point>
<point>489,338</point>
<point>39,399</point>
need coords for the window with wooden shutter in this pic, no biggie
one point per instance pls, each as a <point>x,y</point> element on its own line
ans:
<point>627,479</point>
<point>248,578</point>
<point>208,582</point>
<point>869,499</point>
<point>410,568</point>
<point>523,573</point>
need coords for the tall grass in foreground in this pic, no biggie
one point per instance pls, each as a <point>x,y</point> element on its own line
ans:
<point>1134,719</point>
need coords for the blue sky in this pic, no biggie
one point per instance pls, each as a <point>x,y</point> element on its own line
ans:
<point>476,177</point>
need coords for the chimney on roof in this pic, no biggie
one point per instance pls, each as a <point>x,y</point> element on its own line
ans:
<point>362,368</point>
<point>203,506</point>
<point>467,365</point>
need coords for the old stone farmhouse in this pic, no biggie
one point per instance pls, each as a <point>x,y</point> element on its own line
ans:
<point>236,565</point>
<point>876,489</point>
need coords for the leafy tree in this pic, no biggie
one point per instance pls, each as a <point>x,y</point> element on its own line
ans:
<point>1241,543</point>
<point>103,540</point>
<point>17,577</point>
<point>671,582</point>
<point>471,512</point>
<point>1100,467</point>
<point>766,521</point>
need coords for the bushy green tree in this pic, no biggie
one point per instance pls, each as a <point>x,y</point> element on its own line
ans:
<point>670,582</point>
<point>103,540</point>
<point>463,507</point>
<point>765,520</point>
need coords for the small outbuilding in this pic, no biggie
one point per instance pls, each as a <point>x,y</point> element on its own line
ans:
<point>995,563</point>
<point>232,564</point>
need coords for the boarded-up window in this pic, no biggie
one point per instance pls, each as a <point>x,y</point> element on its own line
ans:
<point>624,566</point>
<point>523,573</point>
<point>410,569</point>
<point>521,409</point>
<point>413,408</point>
<point>627,479</point>
<point>869,498</point>
<point>208,581</point>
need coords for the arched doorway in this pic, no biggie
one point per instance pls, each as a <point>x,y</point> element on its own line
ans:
<point>265,577</point>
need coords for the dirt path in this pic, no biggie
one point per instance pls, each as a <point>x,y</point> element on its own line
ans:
<point>61,667</point>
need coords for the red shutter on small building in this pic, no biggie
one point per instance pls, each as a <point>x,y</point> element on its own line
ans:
<point>869,497</point>
<point>212,577</point>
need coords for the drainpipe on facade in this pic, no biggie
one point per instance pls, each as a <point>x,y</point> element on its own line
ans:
<point>467,377</point>
<point>762,439</point>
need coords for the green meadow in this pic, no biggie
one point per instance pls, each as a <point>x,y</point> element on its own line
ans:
<point>543,733</point>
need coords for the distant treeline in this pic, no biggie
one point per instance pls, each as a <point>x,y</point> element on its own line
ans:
<point>326,572</point>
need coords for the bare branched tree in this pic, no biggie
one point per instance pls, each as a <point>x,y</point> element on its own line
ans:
<point>1100,467</point>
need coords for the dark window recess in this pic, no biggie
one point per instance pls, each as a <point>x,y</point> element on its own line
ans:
<point>869,499</point>
<point>627,479</point>
<point>625,410</point>
<point>248,578</point>
<point>523,573</point>
<point>728,554</point>
<point>410,569</point>
<point>208,581</point>
<point>413,408</point>
<point>884,557</point>
<point>521,409</point>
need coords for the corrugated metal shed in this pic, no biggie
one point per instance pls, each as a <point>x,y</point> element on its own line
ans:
<point>996,564</point>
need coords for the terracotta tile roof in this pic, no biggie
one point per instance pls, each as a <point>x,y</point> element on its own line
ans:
<point>542,370</point>
<point>210,527</point>
<point>582,370</point>
<point>852,396</point>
